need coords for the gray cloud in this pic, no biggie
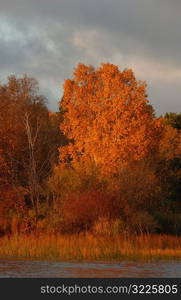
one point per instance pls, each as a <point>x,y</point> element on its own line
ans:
<point>46,39</point>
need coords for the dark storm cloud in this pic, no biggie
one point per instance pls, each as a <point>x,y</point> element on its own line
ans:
<point>46,39</point>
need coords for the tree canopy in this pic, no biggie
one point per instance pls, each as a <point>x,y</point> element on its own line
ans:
<point>107,117</point>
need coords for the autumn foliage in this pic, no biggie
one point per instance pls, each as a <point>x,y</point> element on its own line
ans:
<point>104,162</point>
<point>107,118</point>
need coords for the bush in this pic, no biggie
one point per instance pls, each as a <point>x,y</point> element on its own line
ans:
<point>105,226</point>
<point>81,210</point>
<point>143,222</point>
<point>138,188</point>
<point>170,222</point>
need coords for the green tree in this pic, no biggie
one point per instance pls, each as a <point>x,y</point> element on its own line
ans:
<point>173,119</point>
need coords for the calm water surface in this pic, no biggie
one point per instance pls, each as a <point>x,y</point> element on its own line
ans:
<point>10,268</point>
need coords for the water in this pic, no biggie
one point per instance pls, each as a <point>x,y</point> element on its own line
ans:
<point>10,268</point>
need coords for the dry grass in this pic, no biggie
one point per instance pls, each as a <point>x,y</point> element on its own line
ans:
<point>91,247</point>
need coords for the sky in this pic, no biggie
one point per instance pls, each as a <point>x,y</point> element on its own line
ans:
<point>46,39</point>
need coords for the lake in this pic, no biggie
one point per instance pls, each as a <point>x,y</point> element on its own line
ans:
<point>45,269</point>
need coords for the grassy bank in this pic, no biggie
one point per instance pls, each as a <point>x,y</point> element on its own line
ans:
<point>90,247</point>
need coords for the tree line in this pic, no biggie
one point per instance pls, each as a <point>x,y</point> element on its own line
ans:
<point>104,159</point>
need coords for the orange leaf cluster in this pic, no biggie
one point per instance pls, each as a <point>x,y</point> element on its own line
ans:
<point>107,118</point>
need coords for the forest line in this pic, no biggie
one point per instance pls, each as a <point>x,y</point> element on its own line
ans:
<point>104,160</point>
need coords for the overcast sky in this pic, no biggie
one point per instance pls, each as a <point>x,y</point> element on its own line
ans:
<point>48,38</point>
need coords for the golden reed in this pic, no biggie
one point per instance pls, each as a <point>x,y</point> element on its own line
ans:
<point>91,247</point>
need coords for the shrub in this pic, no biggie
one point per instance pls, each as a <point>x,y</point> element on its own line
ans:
<point>82,210</point>
<point>170,222</point>
<point>143,222</point>
<point>106,226</point>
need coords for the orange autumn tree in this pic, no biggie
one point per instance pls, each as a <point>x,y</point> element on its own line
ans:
<point>107,119</point>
